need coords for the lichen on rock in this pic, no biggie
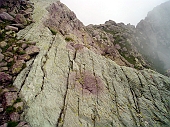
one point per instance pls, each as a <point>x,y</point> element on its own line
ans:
<point>86,82</point>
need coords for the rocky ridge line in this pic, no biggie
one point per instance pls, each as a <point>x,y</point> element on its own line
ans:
<point>111,40</point>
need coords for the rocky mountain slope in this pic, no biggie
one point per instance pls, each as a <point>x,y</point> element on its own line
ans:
<point>146,46</point>
<point>116,40</point>
<point>154,37</point>
<point>76,79</point>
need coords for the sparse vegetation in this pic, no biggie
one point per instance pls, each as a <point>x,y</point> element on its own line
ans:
<point>12,124</point>
<point>110,31</point>
<point>54,32</point>
<point>10,109</point>
<point>117,39</point>
<point>10,64</point>
<point>68,39</point>
<point>130,59</point>
<point>18,100</point>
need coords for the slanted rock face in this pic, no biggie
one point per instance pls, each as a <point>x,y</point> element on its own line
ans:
<point>71,86</point>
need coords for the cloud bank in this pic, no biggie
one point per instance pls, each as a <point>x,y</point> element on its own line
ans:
<point>99,11</point>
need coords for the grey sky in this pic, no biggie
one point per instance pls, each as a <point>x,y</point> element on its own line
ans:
<point>99,11</point>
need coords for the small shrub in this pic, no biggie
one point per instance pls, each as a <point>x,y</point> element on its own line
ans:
<point>17,100</point>
<point>10,64</point>
<point>54,32</point>
<point>130,59</point>
<point>12,124</point>
<point>19,110</point>
<point>68,39</point>
<point>21,52</point>
<point>2,36</point>
<point>117,39</point>
<point>24,66</point>
<point>4,49</point>
<point>10,109</point>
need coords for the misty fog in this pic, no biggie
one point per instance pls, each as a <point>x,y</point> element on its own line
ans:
<point>99,11</point>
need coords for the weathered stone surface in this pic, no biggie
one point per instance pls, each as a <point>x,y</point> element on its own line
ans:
<point>24,46</point>
<point>18,25</point>
<point>24,57</point>
<point>19,106</point>
<point>71,88</point>
<point>22,124</point>
<point>9,98</point>
<point>8,54</point>
<point>4,125</point>
<point>12,28</point>
<point>5,78</point>
<point>3,44</point>
<point>10,49</point>
<point>12,89</point>
<point>63,20</point>
<point>32,50</point>
<point>3,69</point>
<point>14,116</point>
<point>1,110</point>
<point>1,57</point>
<point>20,19</point>
<point>3,90</point>
<point>6,16</point>
<point>8,59</point>
<point>17,67</point>
<point>2,64</point>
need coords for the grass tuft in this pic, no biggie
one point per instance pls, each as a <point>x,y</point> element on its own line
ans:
<point>68,39</point>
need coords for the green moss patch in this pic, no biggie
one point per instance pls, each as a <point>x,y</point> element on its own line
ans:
<point>68,39</point>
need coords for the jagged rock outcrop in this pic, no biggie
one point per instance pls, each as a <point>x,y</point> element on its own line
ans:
<point>116,40</point>
<point>70,84</point>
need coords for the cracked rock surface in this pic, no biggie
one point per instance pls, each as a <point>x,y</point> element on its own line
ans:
<point>67,87</point>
